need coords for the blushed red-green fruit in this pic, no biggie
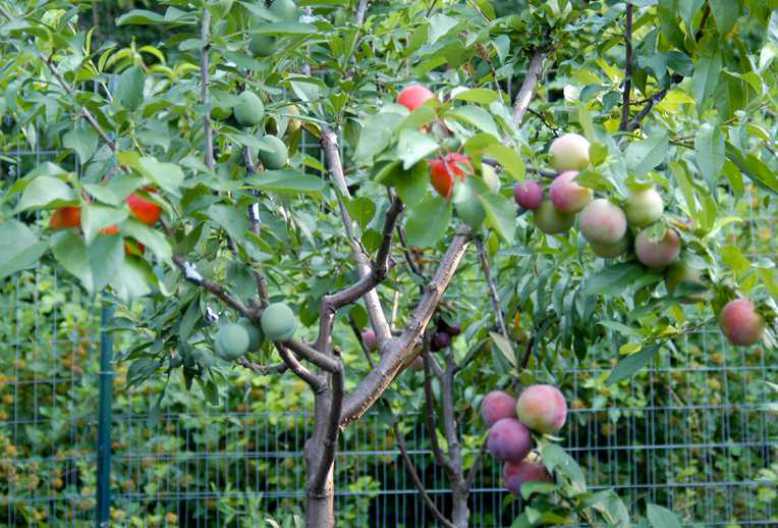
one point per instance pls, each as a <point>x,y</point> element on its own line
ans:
<point>143,209</point>
<point>567,195</point>
<point>65,218</point>
<point>528,194</point>
<point>444,170</point>
<point>369,339</point>
<point>249,111</point>
<point>542,408</point>
<point>254,332</point>
<point>278,322</point>
<point>603,222</point>
<point>741,323</point>
<point>413,96</point>
<point>689,279</point>
<point>509,440</point>
<point>516,474</point>
<point>644,207</point>
<point>657,254</point>
<point>549,220</point>
<point>569,152</point>
<point>497,405</point>
<point>610,250</point>
<point>231,341</point>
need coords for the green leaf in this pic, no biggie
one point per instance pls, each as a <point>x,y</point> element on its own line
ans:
<point>287,181</point>
<point>361,209</point>
<point>232,219</point>
<point>628,366</point>
<point>477,117</point>
<point>70,251</point>
<point>413,146</point>
<point>555,459</point>
<point>528,489</point>
<point>83,140</point>
<point>477,95</point>
<point>707,72</point>
<point>509,159</point>
<point>46,192</point>
<point>660,517</point>
<point>151,238</point>
<point>106,255</point>
<point>412,185</point>
<point>132,278</point>
<point>129,91</point>
<point>140,17</point>
<point>167,176</point>
<point>96,217</point>
<point>726,13</point>
<point>504,346</point>
<point>376,135</point>
<point>141,369</point>
<point>709,147</point>
<point>500,212</point>
<point>643,156</point>
<point>753,167</point>
<point>427,222</point>
<point>285,28</point>
<point>19,248</point>
<point>615,279</point>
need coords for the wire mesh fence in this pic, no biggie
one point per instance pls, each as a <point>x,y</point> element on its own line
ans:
<point>690,432</point>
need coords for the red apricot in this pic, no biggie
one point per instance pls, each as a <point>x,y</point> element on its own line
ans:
<point>110,230</point>
<point>65,218</point>
<point>509,440</point>
<point>741,323</point>
<point>528,194</point>
<point>603,222</point>
<point>144,210</point>
<point>514,475</point>
<point>413,96</point>
<point>569,152</point>
<point>566,195</point>
<point>497,405</point>
<point>443,170</point>
<point>658,254</point>
<point>542,408</point>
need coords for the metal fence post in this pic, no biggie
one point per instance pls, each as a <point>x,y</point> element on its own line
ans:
<point>102,519</point>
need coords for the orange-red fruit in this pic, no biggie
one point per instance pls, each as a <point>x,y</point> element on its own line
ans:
<point>443,170</point>
<point>658,254</point>
<point>413,96</point>
<point>509,440</point>
<point>497,405</point>
<point>514,475</point>
<point>741,323</point>
<point>144,210</point>
<point>65,218</point>
<point>542,408</point>
<point>110,230</point>
<point>133,247</point>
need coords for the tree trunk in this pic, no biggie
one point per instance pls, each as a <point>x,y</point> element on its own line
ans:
<point>460,514</point>
<point>319,503</point>
<point>320,507</point>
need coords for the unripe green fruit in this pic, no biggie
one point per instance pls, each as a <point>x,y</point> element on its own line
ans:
<point>468,206</point>
<point>286,10</point>
<point>249,111</point>
<point>231,341</point>
<point>262,45</point>
<point>551,221</point>
<point>278,322</point>
<point>644,207</point>
<point>255,334</point>
<point>276,154</point>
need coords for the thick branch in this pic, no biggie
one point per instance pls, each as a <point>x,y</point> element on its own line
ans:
<point>192,275</point>
<point>332,429</point>
<point>450,420</point>
<point>524,97</point>
<point>205,37</point>
<point>314,382</point>
<point>324,362</point>
<point>493,293</point>
<point>627,70</point>
<point>329,142</point>
<point>361,12</point>
<point>399,350</point>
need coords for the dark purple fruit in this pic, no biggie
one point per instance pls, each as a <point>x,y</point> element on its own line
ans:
<point>440,340</point>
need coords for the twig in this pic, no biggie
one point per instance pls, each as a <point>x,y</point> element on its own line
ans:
<point>361,12</point>
<point>205,37</point>
<point>493,293</point>
<point>554,130</point>
<point>654,99</point>
<point>323,361</point>
<point>192,275</point>
<point>316,383</point>
<point>429,418</point>
<point>627,69</point>
<point>262,370</point>
<point>524,97</point>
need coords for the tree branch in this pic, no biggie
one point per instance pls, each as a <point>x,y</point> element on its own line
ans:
<point>331,431</point>
<point>429,418</point>
<point>524,97</point>
<point>474,468</point>
<point>493,293</point>
<point>627,70</point>
<point>361,12</point>
<point>316,384</point>
<point>205,37</point>
<point>192,275</point>
<point>329,143</point>
<point>449,418</point>
<point>323,361</point>
<point>399,350</point>
<point>262,370</point>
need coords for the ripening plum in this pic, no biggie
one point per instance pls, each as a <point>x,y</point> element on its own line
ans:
<point>569,152</point>
<point>514,475</point>
<point>603,222</point>
<point>644,207</point>
<point>542,408</point>
<point>528,194</point>
<point>413,96</point>
<point>497,405</point>
<point>509,440</point>
<point>566,195</point>
<point>741,323</point>
<point>549,220</point>
<point>657,254</point>
<point>369,339</point>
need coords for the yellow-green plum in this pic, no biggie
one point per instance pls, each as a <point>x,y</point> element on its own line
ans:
<point>567,195</point>
<point>542,408</point>
<point>569,152</point>
<point>644,207</point>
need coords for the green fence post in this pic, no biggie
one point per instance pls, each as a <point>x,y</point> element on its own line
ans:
<point>104,420</point>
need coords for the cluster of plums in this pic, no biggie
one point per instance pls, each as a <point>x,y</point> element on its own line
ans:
<point>234,340</point>
<point>539,408</point>
<point>604,224</point>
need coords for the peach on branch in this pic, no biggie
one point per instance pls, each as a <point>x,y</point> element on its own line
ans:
<point>741,323</point>
<point>509,440</point>
<point>603,222</point>
<point>567,195</point>
<point>542,408</point>
<point>497,405</point>
<point>657,254</point>
<point>569,152</point>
